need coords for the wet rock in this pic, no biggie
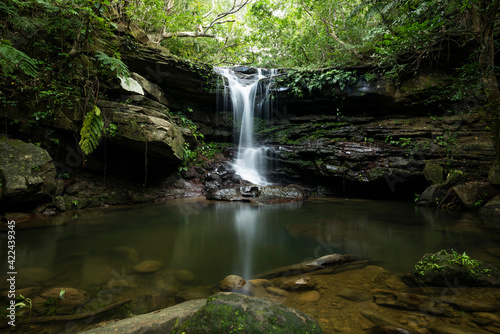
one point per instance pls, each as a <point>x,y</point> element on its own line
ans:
<point>277,291</point>
<point>473,194</point>
<point>408,301</point>
<point>388,329</point>
<point>310,296</point>
<point>257,194</point>
<point>260,282</point>
<point>297,283</point>
<point>231,282</point>
<point>432,194</point>
<point>354,295</point>
<point>473,305</point>
<point>27,172</point>
<point>161,321</point>
<point>492,208</point>
<point>65,299</point>
<point>491,317</point>
<point>225,312</point>
<point>433,173</point>
<point>323,262</point>
<point>443,328</point>
<point>148,266</point>
<point>380,319</point>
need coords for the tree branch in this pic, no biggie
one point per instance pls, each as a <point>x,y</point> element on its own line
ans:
<point>166,35</point>
<point>234,9</point>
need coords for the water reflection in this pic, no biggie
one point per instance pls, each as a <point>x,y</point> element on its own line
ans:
<point>215,239</point>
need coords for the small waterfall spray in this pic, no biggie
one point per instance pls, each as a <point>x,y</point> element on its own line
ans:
<point>249,96</point>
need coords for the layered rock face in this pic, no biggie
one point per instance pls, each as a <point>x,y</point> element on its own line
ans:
<point>373,139</point>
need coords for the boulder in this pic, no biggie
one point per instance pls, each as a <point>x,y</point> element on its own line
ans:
<point>432,194</point>
<point>492,208</point>
<point>443,268</point>
<point>27,172</point>
<point>474,194</point>
<point>226,312</point>
<point>433,173</point>
<point>162,321</point>
<point>153,90</point>
<point>231,283</point>
<point>136,125</point>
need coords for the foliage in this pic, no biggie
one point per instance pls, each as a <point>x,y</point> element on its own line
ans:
<point>434,262</point>
<point>299,80</point>
<point>91,130</point>
<point>113,65</point>
<point>11,58</point>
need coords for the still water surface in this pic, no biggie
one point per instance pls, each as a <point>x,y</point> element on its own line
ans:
<point>215,239</point>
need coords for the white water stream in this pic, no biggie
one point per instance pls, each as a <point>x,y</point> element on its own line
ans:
<point>249,98</point>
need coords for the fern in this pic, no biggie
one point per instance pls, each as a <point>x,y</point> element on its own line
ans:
<point>91,131</point>
<point>113,65</point>
<point>11,58</point>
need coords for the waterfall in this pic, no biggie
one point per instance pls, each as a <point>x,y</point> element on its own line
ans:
<point>249,97</point>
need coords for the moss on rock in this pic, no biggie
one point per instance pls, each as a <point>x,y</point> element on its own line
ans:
<point>235,313</point>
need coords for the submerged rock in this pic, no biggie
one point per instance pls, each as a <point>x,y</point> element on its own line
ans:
<point>65,299</point>
<point>226,312</point>
<point>148,266</point>
<point>297,283</point>
<point>231,283</point>
<point>354,295</point>
<point>444,328</point>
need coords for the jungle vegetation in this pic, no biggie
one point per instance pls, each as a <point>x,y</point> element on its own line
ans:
<point>54,50</point>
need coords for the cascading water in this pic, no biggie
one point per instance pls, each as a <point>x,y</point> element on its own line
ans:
<point>249,95</point>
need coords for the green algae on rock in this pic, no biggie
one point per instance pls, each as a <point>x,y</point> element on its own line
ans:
<point>228,312</point>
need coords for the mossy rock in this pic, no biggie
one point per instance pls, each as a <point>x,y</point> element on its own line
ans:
<point>443,268</point>
<point>433,173</point>
<point>228,312</point>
